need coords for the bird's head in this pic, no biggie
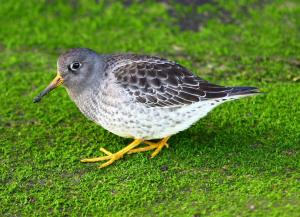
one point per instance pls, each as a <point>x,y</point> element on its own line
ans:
<point>75,70</point>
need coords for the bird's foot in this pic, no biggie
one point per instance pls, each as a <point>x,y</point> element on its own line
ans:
<point>152,145</point>
<point>112,157</point>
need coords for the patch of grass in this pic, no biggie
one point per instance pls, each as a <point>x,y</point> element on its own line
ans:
<point>241,160</point>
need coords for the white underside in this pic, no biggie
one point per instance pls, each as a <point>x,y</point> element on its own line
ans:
<point>135,120</point>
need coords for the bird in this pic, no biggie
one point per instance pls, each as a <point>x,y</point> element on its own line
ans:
<point>136,96</point>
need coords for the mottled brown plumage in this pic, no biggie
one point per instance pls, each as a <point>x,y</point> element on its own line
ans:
<point>154,81</point>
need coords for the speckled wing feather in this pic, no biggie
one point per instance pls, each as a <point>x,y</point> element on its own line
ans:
<point>159,82</point>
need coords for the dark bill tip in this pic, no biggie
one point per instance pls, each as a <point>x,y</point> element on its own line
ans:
<point>37,99</point>
<point>57,81</point>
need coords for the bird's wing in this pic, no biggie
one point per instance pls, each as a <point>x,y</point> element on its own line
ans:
<point>161,83</point>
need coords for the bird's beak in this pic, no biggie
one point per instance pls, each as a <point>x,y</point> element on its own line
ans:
<point>57,81</point>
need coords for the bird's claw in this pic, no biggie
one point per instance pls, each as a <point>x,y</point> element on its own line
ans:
<point>109,156</point>
<point>152,145</point>
<point>112,157</point>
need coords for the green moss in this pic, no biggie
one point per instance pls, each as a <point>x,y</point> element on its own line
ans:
<point>242,159</point>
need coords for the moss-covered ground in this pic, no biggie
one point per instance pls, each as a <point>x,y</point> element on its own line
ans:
<point>241,160</point>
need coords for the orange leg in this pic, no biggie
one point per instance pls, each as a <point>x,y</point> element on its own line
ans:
<point>152,145</point>
<point>112,157</point>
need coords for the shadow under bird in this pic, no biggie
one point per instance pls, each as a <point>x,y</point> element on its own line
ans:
<point>137,96</point>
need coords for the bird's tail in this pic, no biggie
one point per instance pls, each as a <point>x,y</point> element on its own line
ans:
<point>243,91</point>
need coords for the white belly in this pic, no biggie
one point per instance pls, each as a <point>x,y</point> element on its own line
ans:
<point>135,120</point>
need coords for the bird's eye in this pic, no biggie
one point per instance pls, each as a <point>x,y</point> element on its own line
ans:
<point>74,66</point>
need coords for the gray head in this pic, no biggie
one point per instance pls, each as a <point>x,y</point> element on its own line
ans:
<point>75,70</point>
<point>77,66</point>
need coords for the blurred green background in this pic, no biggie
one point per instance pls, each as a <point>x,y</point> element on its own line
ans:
<point>241,160</point>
